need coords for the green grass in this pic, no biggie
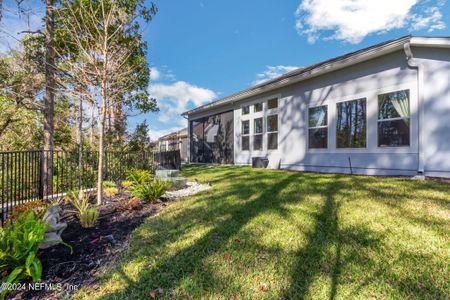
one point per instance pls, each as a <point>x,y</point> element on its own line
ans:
<point>302,235</point>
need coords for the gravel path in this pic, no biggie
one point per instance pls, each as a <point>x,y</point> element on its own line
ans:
<point>191,188</point>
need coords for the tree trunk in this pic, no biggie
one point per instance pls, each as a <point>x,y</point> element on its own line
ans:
<point>49,99</point>
<point>92,124</point>
<point>80,140</point>
<point>101,150</point>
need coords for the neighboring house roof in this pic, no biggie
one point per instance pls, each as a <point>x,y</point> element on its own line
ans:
<point>325,67</point>
<point>177,134</point>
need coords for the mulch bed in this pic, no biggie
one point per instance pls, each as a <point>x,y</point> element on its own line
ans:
<point>93,248</point>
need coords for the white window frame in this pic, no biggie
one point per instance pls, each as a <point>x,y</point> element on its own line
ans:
<point>246,135</point>
<point>259,134</point>
<point>262,107</point>
<point>394,119</point>
<point>268,132</point>
<point>273,98</point>
<point>367,124</point>
<point>318,127</point>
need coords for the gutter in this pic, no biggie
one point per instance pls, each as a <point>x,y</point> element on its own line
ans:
<point>324,68</point>
<point>416,64</point>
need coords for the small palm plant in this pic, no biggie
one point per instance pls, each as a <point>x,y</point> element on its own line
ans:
<point>86,214</point>
<point>137,176</point>
<point>150,191</point>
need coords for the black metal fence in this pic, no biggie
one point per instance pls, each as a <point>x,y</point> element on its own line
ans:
<point>21,173</point>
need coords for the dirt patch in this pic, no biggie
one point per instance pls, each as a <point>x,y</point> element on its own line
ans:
<point>93,248</point>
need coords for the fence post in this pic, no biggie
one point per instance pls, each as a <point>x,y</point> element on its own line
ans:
<point>41,171</point>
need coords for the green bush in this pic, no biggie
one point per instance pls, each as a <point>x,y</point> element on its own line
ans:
<point>109,184</point>
<point>89,217</point>
<point>19,244</point>
<point>150,191</point>
<point>110,191</point>
<point>126,184</point>
<point>138,176</point>
<point>79,199</point>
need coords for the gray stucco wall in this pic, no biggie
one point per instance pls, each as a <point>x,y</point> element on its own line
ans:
<point>365,80</point>
<point>436,124</point>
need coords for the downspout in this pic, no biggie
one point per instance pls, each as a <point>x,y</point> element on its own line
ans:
<point>414,63</point>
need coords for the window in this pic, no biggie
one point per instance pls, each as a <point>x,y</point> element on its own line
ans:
<point>272,103</point>
<point>257,137</point>
<point>393,119</point>
<point>245,135</point>
<point>272,132</point>
<point>318,127</point>
<point>258,107</point>
<point>245,110</point>
<point>351,124</point>
<point>245,127</point>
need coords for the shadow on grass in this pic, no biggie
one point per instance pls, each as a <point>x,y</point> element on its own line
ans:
<point>251,193</point>
<point>172,268</point>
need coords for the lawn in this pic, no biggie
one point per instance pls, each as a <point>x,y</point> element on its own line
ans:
<point>262,234</point>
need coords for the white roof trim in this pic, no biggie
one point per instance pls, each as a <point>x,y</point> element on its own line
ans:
<point>340,63</point>
<point>436,42</point>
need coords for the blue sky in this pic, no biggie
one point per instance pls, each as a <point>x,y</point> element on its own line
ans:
<point>202,50</point>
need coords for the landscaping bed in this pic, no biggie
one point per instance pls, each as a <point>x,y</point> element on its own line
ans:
<point>93,248</point>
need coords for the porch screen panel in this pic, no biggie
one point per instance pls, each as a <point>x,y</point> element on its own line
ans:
<point>214,143</point>
<point>197,143</point>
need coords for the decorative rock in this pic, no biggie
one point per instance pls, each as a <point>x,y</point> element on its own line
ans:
<point>55,228</point>
<point>177,182</point>
<point>191,188</point>
<point>167,173</point>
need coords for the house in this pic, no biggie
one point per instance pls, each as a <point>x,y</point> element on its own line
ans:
<point>177,140</point>
<point>382,110</point>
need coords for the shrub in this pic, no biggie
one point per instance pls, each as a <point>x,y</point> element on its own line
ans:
<point>79,199</point>
<point>38,207</point>
<point>150,191</point>
<point>126,184</point>
<point>109,184</point>
<point>19,243</point>
<point>138,176</point>
<point>89,217</point>
<point>110,191</point>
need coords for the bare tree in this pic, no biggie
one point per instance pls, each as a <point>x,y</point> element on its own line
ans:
<point>104,38</point>
<point>49,99</point>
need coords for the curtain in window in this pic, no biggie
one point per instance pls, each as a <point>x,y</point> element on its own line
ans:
<point>400,102</point>
<point>319,116</point>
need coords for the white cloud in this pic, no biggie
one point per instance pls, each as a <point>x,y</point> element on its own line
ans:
<point>352,20</point>
<point>162,73</point>
<point>154,73</point>
<point>272,72</point>
<point>432,20</point>
<point>175,98</point>
<point>157,133</point>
